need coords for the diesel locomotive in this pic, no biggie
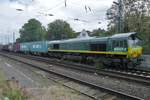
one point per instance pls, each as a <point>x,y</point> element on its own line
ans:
<point>122,50</point>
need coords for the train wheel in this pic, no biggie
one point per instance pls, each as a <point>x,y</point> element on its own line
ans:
<point>130,65</point>
<point>124,64</point>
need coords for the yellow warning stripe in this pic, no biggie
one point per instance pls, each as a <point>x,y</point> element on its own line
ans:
<point>91,52</point>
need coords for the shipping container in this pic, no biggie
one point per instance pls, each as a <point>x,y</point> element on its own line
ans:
<point>16,47</point>
<point>39,46</point>
<point>24,47</point>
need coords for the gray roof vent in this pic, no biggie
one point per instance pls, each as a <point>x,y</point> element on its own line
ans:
<point>83,34</point>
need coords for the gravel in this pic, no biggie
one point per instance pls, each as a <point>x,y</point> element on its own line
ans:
<point>146,63</point>
<point>36,84</point>
<point>131,88</point>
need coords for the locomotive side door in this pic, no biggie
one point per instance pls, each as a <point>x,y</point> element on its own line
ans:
<point>109,45</point>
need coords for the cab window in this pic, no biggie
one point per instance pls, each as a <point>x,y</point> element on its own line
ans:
<point>119,45</point>
<point>134,43</point>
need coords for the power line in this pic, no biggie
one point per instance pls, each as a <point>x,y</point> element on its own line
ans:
<point>55,6</point>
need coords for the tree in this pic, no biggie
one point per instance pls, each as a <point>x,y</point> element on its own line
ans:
<point>59,29</point>
<point>32,31</point>
<point>136,17</point>
<point>134,13</point>
<point>99,32</point>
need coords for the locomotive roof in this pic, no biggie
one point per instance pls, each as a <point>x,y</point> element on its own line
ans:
<point>79,39</point>
<point>124,35</point>
<point>69,40</point>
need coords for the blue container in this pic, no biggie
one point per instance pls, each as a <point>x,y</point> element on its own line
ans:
<point>39,46</point>
<point>24,47</point>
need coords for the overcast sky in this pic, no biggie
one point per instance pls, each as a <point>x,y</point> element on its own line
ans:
<point>90,12</point>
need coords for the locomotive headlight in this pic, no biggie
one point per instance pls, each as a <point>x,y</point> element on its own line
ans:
<point>137,52</point>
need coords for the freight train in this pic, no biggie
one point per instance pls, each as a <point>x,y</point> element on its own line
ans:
<point>122,50</point>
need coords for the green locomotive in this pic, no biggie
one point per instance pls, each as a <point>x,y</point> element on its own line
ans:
<point>121,49</point>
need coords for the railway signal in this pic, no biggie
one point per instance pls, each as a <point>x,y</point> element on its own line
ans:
<point>119,17</point>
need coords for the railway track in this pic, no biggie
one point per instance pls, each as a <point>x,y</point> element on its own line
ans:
<point>82,89</point>
<point>109,91</point>
<point>139,76</point>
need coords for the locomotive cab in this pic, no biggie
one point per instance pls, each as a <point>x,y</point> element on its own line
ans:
<point>127,44</point>
<point>127,47</point>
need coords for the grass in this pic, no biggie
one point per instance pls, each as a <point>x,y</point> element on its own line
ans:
<point>146,49</point>
<point>57,92</point>
<point>10,89</point>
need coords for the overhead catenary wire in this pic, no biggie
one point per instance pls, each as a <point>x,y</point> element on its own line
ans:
<point>87,8</point>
